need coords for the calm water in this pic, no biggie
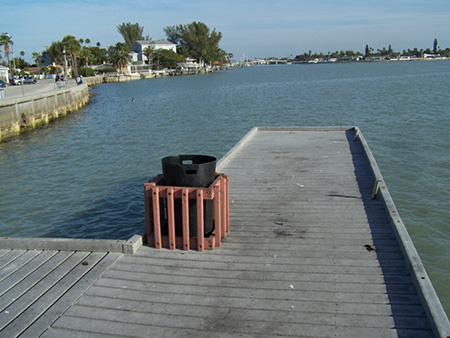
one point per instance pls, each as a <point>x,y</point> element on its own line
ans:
<point>82,176</point>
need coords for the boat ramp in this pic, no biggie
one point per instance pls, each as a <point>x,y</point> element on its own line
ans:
<point>316,248</point>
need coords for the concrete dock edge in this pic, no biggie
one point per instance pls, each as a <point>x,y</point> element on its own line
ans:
<point>430,301</point>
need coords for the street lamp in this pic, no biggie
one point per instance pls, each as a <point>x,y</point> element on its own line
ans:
<point>65,65</point>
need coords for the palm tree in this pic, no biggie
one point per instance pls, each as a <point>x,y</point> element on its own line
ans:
<point>85,53</point>
<point>119,56</point>
<point>148,52</point>
<point>45,70</point>
<point>72,47</point>
<point>130,32</point>
<point>6,42</point>
<point>37,59</point>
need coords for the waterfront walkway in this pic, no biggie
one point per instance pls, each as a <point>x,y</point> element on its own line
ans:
<point>309,253</point>
<point>42,86</point>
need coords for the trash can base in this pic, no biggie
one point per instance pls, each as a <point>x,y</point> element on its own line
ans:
<point>160,212</point>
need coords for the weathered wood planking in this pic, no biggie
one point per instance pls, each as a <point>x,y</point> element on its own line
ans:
<point>294,263</point>
<point>37,286</point>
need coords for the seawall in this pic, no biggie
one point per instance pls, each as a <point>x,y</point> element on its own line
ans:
<point>20,114</point>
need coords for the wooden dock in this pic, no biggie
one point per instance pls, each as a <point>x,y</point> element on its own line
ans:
<point>313,251</point>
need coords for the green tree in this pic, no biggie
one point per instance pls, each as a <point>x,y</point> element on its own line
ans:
<point>198,41</point>
<point>172,34</point>
<point>72,47</point>
<point>148,52</point>
<point>37,59</point>
<point>7,43</point>
<point>97,55</point>
<point>45,70</point>
<point>435,46</point>
<point>85,54</point>
<point>168,58</point>
<point>21,64</point>
<point>131,32</point>
<point>56,52</point>
<point>119,56</point>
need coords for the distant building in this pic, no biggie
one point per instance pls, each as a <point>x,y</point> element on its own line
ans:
<point>138,47</point>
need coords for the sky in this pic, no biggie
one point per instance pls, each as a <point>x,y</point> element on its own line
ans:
<point>250,29</point>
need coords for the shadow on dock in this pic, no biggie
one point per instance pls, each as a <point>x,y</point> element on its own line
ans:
<point>407,310</point>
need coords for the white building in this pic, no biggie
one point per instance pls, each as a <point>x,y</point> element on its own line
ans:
<point>4,73</point>
<point>138,47</point>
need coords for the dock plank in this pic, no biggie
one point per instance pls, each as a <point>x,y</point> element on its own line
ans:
<point>53,288</point>
<point>17,263</point>
<point>69,297</point>
<point>247,290</point>
<point>25,270</point>
<point>136,324</point>
<point>9,257</point>
<point>3,252</point>
<point>34,278</point>
<point>225,301</point>
<point>40,286</point>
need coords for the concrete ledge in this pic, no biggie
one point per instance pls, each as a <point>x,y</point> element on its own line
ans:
<point>33,111</point>
<point>337,128</point>
<point>69,244</point>
<point>133,244</point>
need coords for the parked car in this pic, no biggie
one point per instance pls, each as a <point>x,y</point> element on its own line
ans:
<point>25,80</point>
<point>29,80</point>
<point>15,81</point>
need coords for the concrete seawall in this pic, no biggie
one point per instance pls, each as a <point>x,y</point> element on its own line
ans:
<point>30,112</point>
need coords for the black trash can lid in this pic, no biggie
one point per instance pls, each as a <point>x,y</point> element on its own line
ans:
<point>189,170</point>
<point>188,159</point>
